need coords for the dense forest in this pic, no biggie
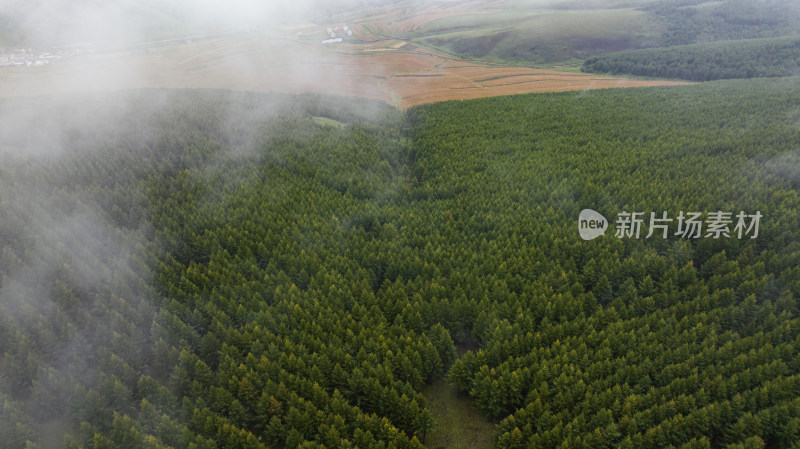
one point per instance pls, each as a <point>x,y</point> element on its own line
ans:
<point>225,270</point>
<point>626,342</point>
<point>705,62</point>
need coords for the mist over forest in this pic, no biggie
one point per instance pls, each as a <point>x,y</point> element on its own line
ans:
<point>359,224</point>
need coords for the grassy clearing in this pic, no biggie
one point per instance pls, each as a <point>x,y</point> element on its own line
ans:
<point>566,67</point>
<point>325,121</point>
<point>458,424</point>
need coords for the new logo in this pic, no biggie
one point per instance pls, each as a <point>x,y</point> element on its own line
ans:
<point>591,224</point>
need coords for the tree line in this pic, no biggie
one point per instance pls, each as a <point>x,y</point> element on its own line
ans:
<point>754,58</point>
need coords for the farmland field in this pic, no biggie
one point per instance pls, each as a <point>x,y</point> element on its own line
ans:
<point>392,71</point>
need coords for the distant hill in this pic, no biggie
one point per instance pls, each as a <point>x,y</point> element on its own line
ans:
<point>512,31</point>
<point>557,31</point>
